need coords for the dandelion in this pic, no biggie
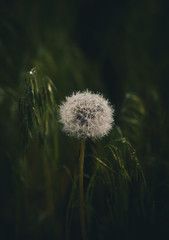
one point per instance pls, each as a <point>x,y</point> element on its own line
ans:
<point>85,115</point>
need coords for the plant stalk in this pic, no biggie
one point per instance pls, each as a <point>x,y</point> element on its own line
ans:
<point>81,190</point>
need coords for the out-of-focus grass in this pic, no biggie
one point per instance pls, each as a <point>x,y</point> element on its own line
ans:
<point>119,49</point>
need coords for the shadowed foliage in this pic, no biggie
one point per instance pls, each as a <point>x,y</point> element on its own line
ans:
<point>50,49</point>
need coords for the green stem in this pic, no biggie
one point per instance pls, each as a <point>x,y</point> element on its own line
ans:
<point>81,191</point>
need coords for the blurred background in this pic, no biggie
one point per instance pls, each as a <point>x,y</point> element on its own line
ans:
<point>119,48</point>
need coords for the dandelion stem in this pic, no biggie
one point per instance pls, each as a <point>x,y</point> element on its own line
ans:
<point>81,190</point>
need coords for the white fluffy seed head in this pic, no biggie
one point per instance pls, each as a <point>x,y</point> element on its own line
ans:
<point>86,115</point>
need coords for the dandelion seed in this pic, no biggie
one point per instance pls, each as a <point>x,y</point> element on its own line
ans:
<point>86,115</point>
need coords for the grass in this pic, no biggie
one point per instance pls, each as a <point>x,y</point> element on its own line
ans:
<point>126,183</point>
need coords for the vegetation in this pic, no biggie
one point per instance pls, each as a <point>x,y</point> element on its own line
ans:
<point>48,50</point>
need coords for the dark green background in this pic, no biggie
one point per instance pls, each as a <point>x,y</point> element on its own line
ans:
<point>114,47</point>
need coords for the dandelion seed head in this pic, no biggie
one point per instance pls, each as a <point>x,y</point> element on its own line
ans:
<point>86,115</point>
